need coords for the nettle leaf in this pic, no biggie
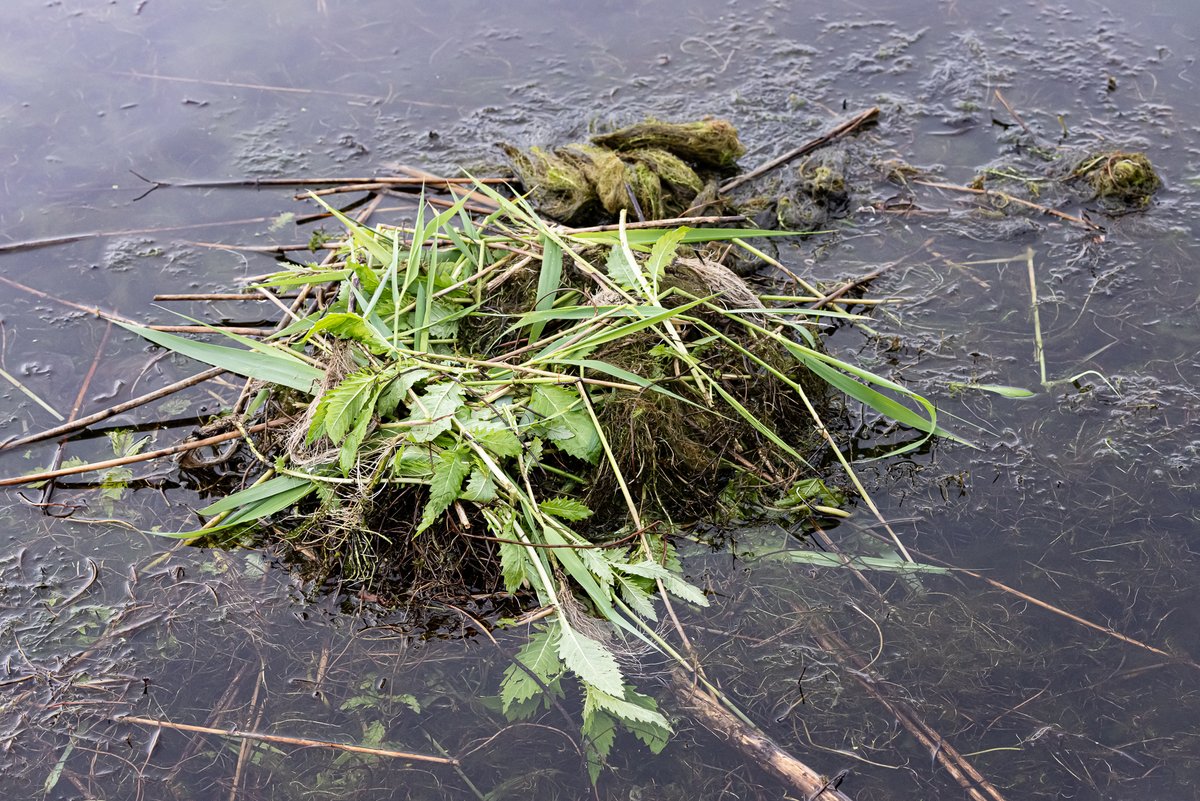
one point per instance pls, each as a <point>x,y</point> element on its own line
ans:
<point>540,656</point>
<point>493,434</point>
<point>590,661</point>
<point>437,407</point>
<point>480,487</point>
<point>513,566</point>
<point>341,406</point>
<point>449,469</point>
<point>663,252</point>
<point>639,598</point>
<point>413,462</point>
<point>619,269</point>
<point>565,508</point>
<point>566,424</point>
<point>653,735</point>
<point>625,711</point>
<point>671,581</point>
<point>354,440</point>
<point>346,325</point>
<point>601,732</point>
<point>396,392</point>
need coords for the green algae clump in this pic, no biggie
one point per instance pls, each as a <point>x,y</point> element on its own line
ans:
<point>1120,177</point>
<point>710,143</point>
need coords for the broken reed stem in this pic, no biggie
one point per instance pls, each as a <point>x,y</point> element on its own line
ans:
<point>33,244</point>
<point>752,743</point>
<point>84,422</point>
<point>1015,115</point>
<point>1039,349</point>
<point>1062,215</point>
<point>871,276</point>
<point>140,457</point>
<point>849,126</point>
<point>236,734</point>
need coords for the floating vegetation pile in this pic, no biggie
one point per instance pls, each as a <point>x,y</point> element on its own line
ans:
<point>1120,178</point>
<point>503,405</point>
<point>653,170</point>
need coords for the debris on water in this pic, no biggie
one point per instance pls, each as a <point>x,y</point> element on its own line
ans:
<point>1120,177</point>
<point>652,170</point>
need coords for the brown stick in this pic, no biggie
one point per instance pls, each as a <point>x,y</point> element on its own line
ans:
<point>1062,215</point>
<point>849,126</point>
<point>753,744</point>
<point>278,738</point>
<point>31,244</point>
<point>84,422</point>
<point>1014,114</point>
<point>61,450</point>
<point>140,457</point>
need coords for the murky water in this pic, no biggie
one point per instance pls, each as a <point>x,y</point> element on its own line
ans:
<point>1082,496</point>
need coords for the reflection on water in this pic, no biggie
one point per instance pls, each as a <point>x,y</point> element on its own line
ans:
<point>1081,496</point>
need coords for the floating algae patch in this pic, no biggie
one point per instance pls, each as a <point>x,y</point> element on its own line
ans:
<point>653,170</point>
<point>1120,178</point>
<point>559,186</point>
<point>708,143</point>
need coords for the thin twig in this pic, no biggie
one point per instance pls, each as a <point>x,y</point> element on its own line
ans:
<point>849,126</point>
<point>140,457</point>
<point>1062,215</point>
<point>1014,114</point>
<point>61,450</point>
<point>84,422</point>
<point>282,740</point>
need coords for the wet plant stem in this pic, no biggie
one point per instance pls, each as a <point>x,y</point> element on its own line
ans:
<point>1039,349</point>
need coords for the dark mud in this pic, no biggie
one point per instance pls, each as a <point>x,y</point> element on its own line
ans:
<point>1082,495</point>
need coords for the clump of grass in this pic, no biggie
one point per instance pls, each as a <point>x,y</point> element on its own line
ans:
<point>501,404</point>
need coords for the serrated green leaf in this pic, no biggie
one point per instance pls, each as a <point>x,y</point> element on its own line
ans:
<point>663,252</point>
<point>413,462</point>
<point>345,325</point>
<point>540,657</point>
<point>684,591</point>
<point>480,487</point>
<point>653,735</point>
<point>619,269</point>
<point>396,391</point>
<point>513,565</point>
<point>601,732</point>
<point>590,661</point>
<point>436,406</point>
<point>348,456</point>
<point>623,710</point>
<point>341,406</point>
<point>565,508</point>
<point>449,470</point>
<point>565,423</point>
<point>640,599</point>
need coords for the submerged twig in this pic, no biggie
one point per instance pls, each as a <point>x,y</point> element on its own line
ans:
<point>84,422</point>
<point>283,740</point>
<point>140,457</point>
<point>1007,198</point>
<point>849,126</point>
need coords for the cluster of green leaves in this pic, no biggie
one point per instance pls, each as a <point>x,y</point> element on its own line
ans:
<point>500,437</point>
